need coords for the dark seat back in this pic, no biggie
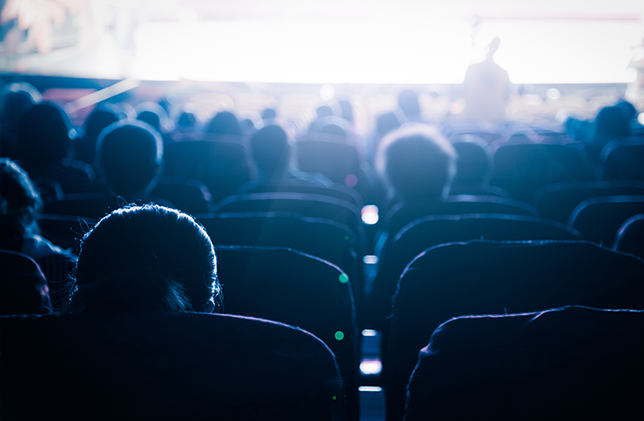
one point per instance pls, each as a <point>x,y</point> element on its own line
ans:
<point>566,363</point>
<point>522,169</point>
<point>557,201</point>
<point>338,191</point>
<point>630,236</point>
<point>291,287</point>
<point>311,205</point>
<point>23,286</point>
<point>598,219</point>
<point>485,277</point>
<point>164,366</point>
<point>323,238</point>
<point>434,230</point>
<point>622,159</point>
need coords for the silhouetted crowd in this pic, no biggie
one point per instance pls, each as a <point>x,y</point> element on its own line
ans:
<point>508,255</point>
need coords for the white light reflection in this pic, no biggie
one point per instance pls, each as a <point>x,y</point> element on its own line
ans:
<point>370,389</point>
<point>370,366</point>
<point>370,214</point>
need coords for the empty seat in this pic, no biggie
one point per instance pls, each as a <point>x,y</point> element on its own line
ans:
<point>23,286</point>
<point>312,205</point>
<point>598,219</point>
<point>433,230</point>
<point>557,201</point>
<point>402,213</point>
<point>486,277</point>
<point>622,159</point>
<point>523,168</point>
<point>565,363</point>
<point>324,238</point>
<point>630,236</point>
<point>292,185</point>
<point>164,366</point>
<point>295,288</point>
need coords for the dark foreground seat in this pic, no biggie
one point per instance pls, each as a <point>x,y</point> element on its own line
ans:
<point>295,288</point>
<point>23,286</point>
<point>487,277</point>
<point>565,363</point>
<point>164,366</point>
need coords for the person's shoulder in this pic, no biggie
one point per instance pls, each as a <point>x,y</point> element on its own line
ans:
<point>37,247</point>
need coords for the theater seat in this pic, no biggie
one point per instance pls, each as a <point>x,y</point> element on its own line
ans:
<point>430,231</point>
<point>488,277</point>
<point>565,363</point>
<point>630,236</point>
<point>23,286</point>
<point>164,366</point>
<point>291,287</point>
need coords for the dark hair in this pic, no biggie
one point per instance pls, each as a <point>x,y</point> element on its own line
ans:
<point>417,162</point>
<point>15,99</point>
<point>610,123</point>
<point>270,149</point>
<point>224,122</point>
<point>128,156</point>
<point>101,117</point>
<point>43,135</point>
<point>146,258</point>
<point>19,205</point>
<point>474,161</point>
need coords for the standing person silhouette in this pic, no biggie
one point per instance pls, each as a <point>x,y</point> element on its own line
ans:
<point>486,89</point>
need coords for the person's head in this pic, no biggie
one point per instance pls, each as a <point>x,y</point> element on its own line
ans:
<point>408,103</point>
<point>153,114</point>
<point>610,123</point>
<point>19,205</point>
<point>224,122</point>
<point>16,99</point>
<point>474,162</point>
<point>99,118</point>
<point>271,149</point>
<point>43,135</point>
<point>129,156</point>
<point>146,258</point>
<point>417,162</point>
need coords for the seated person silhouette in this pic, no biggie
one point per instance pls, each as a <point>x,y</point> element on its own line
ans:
<point>101,117</point>
<point>129,158</point>
<point>15,99</point>
<point>44,146</point>
<point>146,258</point>
<point>474,169</point>
<point>224,123</point>
<point>20,204</point>
<point>417,164</point>
<point>271,150</point>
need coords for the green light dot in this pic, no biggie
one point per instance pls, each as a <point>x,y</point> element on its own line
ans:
<point>346,237</point>
<point>339,335</point>
<point>343,278</point>
<point>335,397</point>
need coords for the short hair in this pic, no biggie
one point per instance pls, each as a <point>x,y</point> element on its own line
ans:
<point>146,258</point>
<point>19,205</point>
<point>271,149</point>
<point>417,162</point>
<point>43,135</point>
<point>610,123</point>
<point>128,155</point>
